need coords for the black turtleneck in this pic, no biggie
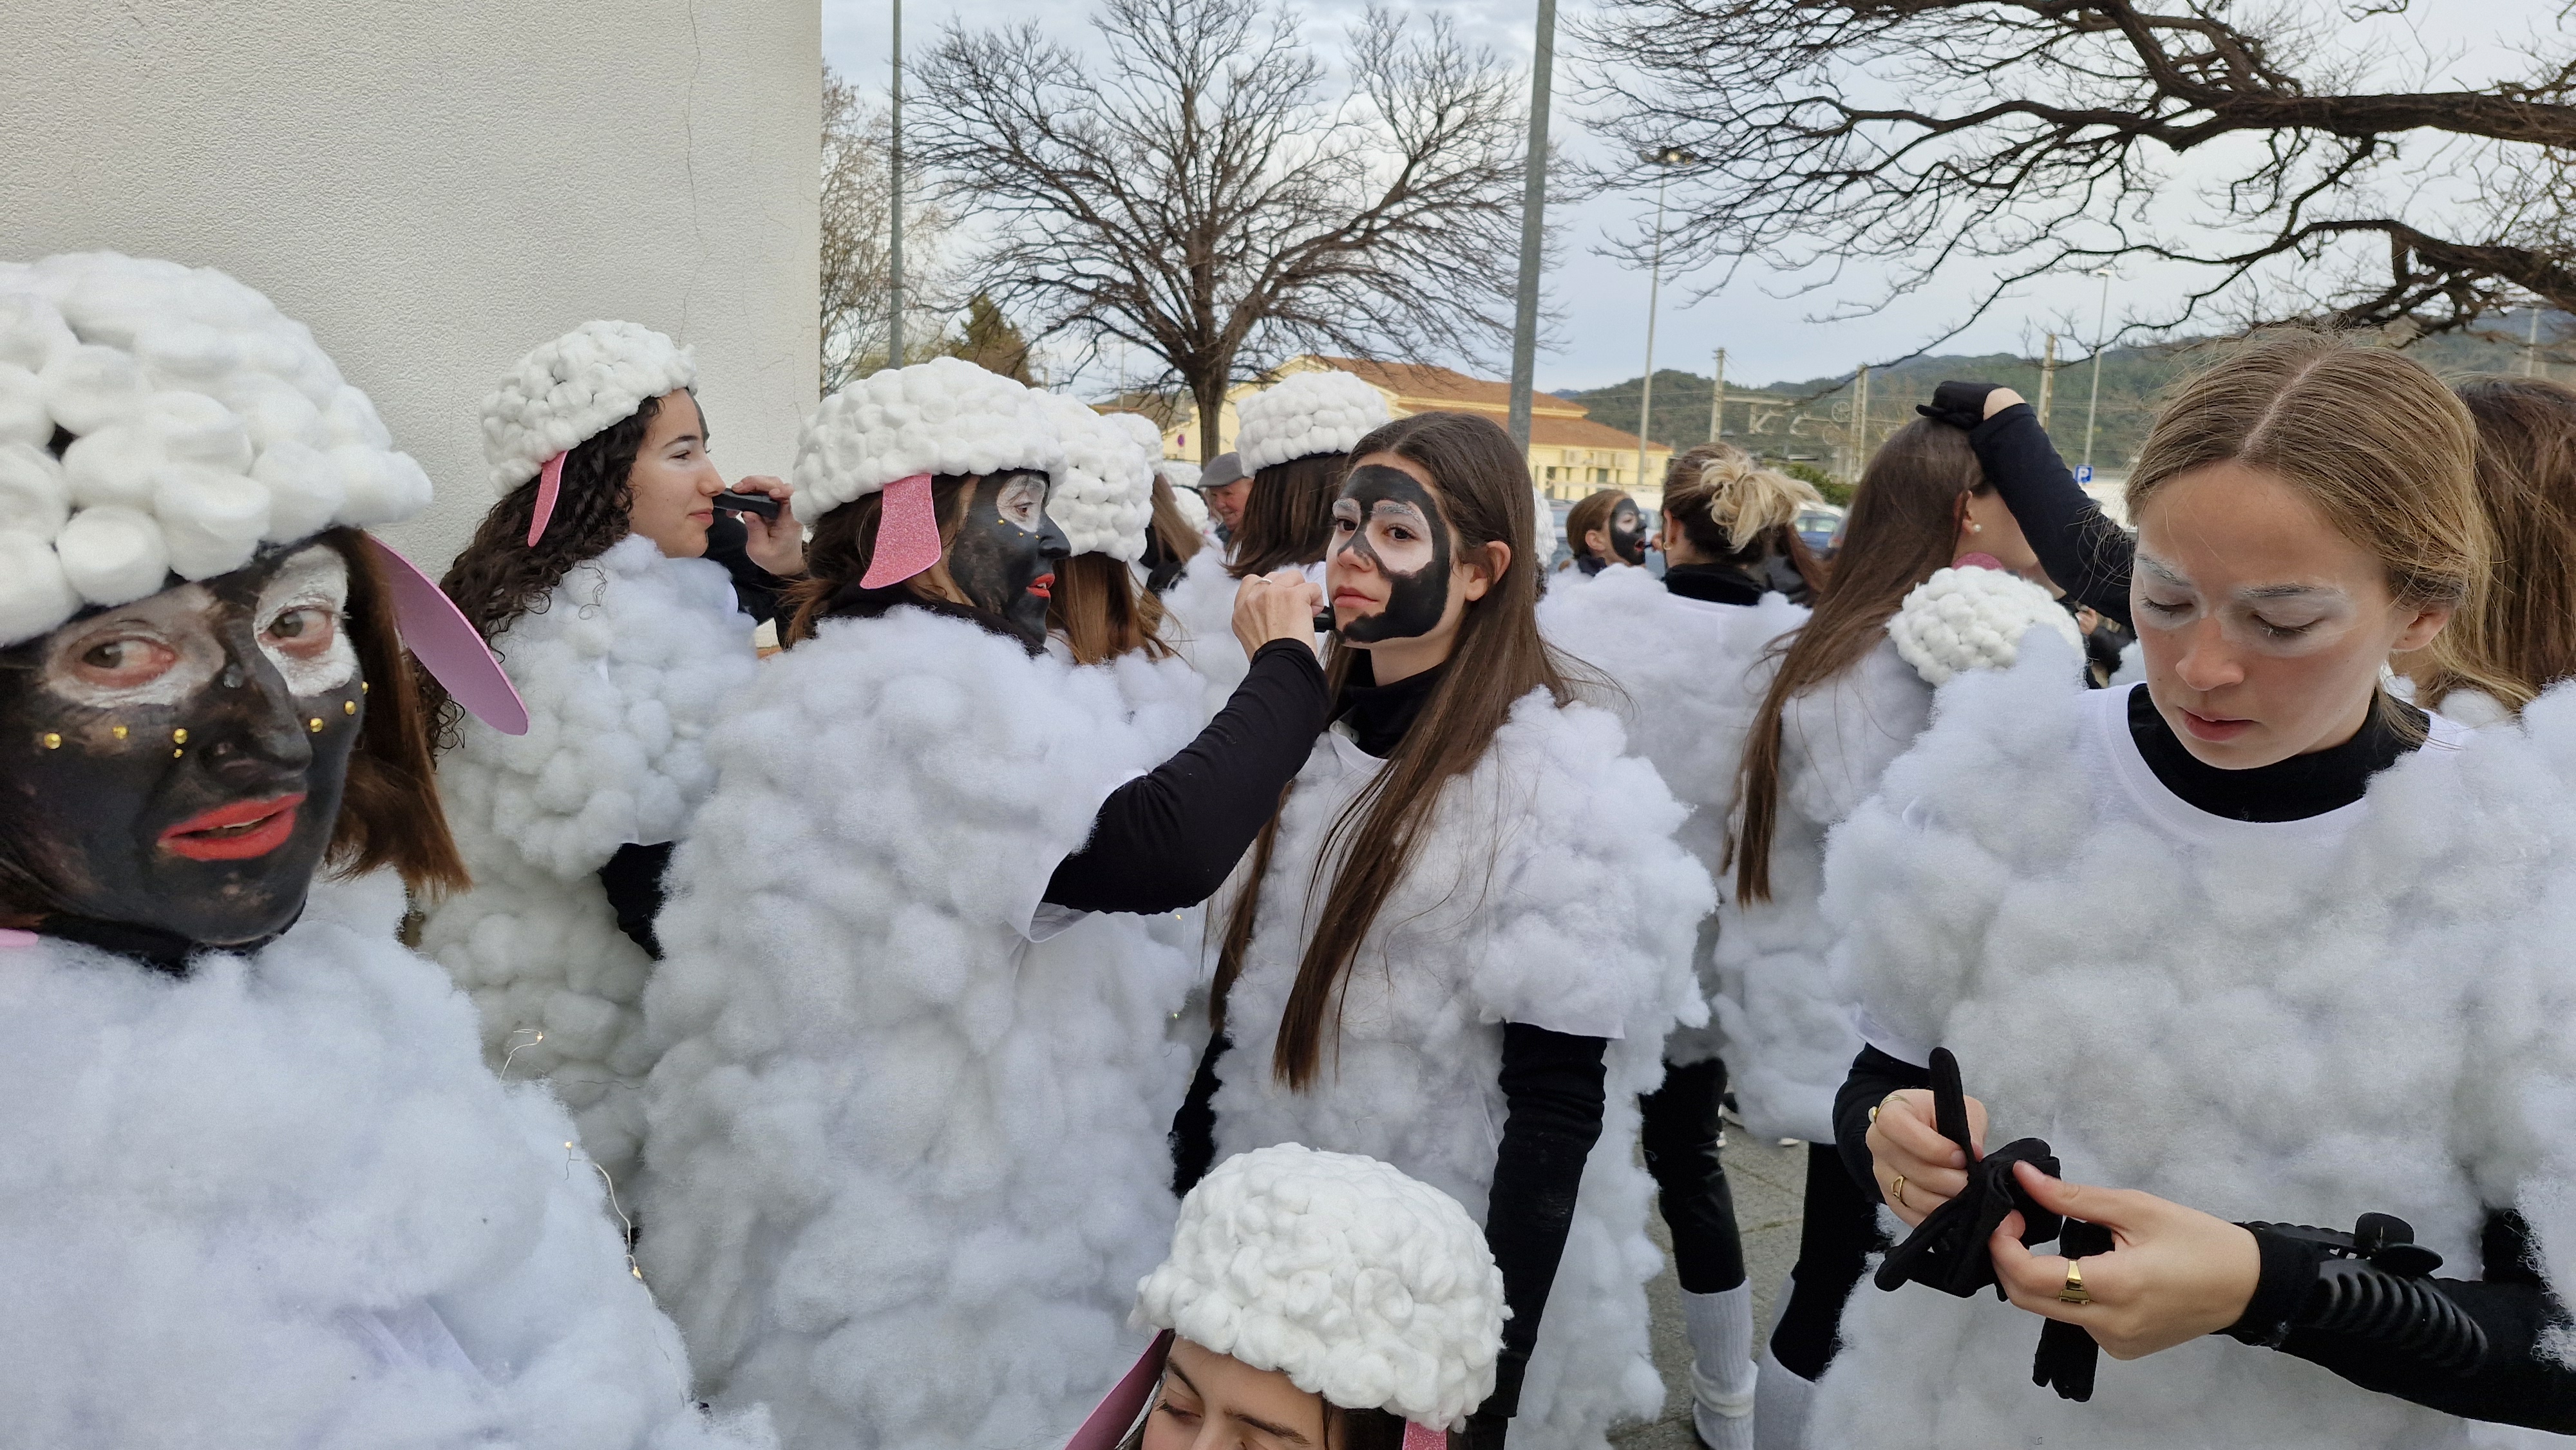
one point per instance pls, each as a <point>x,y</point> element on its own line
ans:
<point>1714,583</point>
<point>1381,715</point>
<point>163,951</point>
<point>2288,790</point>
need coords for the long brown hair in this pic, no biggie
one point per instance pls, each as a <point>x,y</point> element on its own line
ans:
<point>1738,513</point>
<point>500,576</point>
<point>2523,640</point>
<point>1904,527</point>
<point>1179,541</point>
<point>1288,514</point>
<point>1103,613</point>
<point>1590,512</point>
<point>390,813</point>
<point>1483,487</point>
<point>2370,437</point>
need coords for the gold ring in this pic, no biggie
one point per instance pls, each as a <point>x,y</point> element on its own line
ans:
<point>2073,1291</point>
<point>1897,1189</point>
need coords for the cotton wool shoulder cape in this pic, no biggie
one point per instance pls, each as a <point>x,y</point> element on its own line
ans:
<point>626,666</point>
<point>1693,675</point>
<point>1549,890</point>
<point>905,1168</point>
<point>2372,1010</point>
<point>282,1203</point>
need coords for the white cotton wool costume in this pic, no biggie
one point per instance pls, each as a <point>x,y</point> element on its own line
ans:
<point>907,1134</point>
<point>2364,1011</point>
<point>1786,1020</point>
<point>1105,496</point>
<point>1306,413</point>
<point>281,1202</point>
<point>1548,890</point>
<point>1693,675</point>
<point>572,389</point>
<point>1368,1288</point>
<point>207,423</point>
<point>625,668</point>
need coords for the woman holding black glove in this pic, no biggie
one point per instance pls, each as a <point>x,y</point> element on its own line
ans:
<point>2084,551</point>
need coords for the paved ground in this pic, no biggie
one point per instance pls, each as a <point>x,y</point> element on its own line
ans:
<point>1768,1181</point>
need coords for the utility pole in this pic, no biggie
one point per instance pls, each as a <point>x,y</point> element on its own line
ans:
<point>2531,348</point>
<point>894,245</point>
<point>2101,324</point>
<point>2047,380</point>
<point>1860,422</point>
<point>1533,231</point>
<point>1717,400</point>
<point>1667,158</point>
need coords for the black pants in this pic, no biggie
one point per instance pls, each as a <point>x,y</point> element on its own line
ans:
<point>1835,1240</point>
<point>1680,1136</point>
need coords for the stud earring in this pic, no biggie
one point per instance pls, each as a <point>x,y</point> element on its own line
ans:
<point>1976,528</point>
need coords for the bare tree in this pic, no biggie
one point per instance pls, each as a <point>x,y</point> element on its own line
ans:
<point>1197,193</point>
<point>1985,142</point>
<point>857,292</point>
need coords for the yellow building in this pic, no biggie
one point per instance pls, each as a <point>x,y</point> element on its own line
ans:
<point>1569,454</point>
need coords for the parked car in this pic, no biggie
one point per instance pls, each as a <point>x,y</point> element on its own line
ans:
<point>1821,526</point>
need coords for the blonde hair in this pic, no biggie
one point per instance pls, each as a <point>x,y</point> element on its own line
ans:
<point>1718,491</point>
<point>2366,434</point>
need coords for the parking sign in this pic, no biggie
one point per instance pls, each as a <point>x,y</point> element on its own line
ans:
<point>2083,475</point>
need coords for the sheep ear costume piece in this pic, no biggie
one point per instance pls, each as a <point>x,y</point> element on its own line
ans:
<point>206,426</point>
<point>907,534</point>
<point>569,391</point>
<point>1289,1259</point>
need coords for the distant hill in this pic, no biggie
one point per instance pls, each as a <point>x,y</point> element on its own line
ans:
<point>2133,381</point>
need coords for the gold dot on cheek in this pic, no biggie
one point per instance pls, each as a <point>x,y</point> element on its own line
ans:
<point>53,741</point>
<point>179,736</point>
<point>314,724</point>
<point>348,707</point>
<point>362,687</point>
<point>117,730</point>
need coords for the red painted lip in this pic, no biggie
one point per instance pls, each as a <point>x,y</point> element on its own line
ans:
<point>268,824</point>
<point>1043,586</point>
<point>2205,728</point>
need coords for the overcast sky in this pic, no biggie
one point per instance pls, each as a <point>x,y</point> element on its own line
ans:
<point>1768,337</point>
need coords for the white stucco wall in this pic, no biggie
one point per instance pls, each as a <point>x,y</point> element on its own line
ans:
<point>435,186</point>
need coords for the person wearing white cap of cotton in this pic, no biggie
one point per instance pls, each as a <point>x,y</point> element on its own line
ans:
<point>1294,440</point>
<point>1105,505</point>
<point>1312,1301</point>
<point>587,577</point>
<point>907,1136</point>
<point>256,1185</point>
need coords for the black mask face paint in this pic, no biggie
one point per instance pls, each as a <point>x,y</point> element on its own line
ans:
<point>177,763</point>
<point>1386,516</point>
<point>1005,554</point>
<point>1628,533</point>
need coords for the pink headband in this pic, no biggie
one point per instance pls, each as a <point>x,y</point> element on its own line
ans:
<point>1118,1410</point>
<point>451,649</point>
<point>907,534</point>
<point>549,488</point>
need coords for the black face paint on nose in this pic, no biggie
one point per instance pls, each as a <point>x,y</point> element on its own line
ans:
<point>1005,553</point>
<point>1628,534</point>
<point>1385,516</point>
<point>197,801</point>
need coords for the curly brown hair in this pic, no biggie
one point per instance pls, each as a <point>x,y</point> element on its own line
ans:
<point>499,576</point>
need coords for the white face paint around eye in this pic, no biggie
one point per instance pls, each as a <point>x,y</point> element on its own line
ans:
<point>1022,502</point>
<point>157,651</point>
<point>302,622</point>
<point>2287,620</point>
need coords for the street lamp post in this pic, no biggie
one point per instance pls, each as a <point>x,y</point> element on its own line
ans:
<point>2101,322</point>
<point>1667,158</point>
<point>894,239</point>
<point>1533,231</point>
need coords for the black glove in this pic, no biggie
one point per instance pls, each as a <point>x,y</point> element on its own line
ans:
<point>1961,405</point>
<point>1947,1251</point>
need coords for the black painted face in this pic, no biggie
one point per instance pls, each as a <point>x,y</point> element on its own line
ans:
<point>1386,520</point>
<point>1005,553</point>
<point>177,763</point>
<point>1628,533</point>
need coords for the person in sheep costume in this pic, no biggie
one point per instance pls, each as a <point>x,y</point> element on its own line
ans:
<point>907,1133</point>
<point>1293,439</point>
<point>631,651</point>
<point>1322,1295</point>
<point>1537,928</point>
<point>2249,941</point>
<point>1105,503</point>
<point>256,1185</point>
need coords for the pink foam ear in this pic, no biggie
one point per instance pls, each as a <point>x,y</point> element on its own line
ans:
<point>907,534</point>
<point>437,634</point>
<point>1978,561</point>
<point>1419,1436</point>
<point>549,488</point>
<point>1117,1411</point>
<point>13,938</point>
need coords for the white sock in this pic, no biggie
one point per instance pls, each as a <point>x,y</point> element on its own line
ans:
<point>1720,1328</point>
<point>1781,1403</point>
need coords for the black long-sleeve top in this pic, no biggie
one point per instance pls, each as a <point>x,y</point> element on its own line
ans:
<point>2517,1382</point>
<point>1555,1098</point>
<point>756,589</point>
<point>2084,551</point>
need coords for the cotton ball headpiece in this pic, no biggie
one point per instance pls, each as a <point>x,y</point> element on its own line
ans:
<point>1358,1283</point>
<point>891,431</point>
<point>1973,618</point>
<point>566,393</point>
<point>1308,413</point>
<point>1105,496</point>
